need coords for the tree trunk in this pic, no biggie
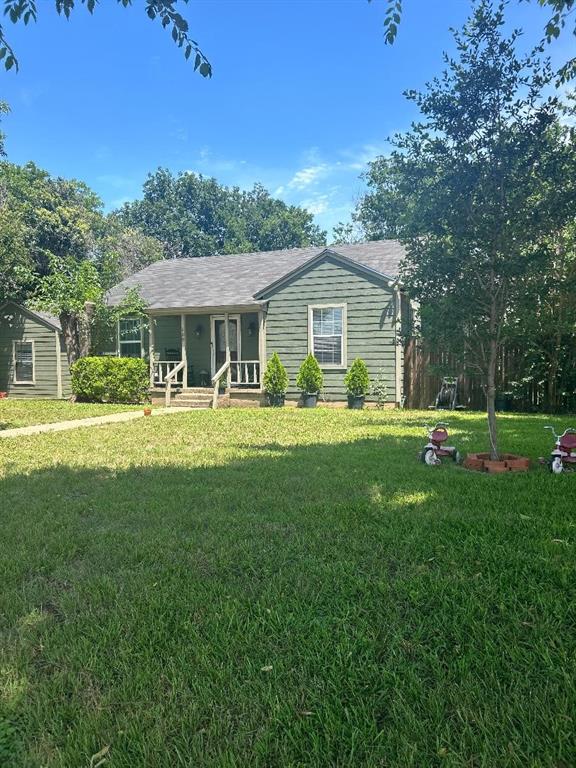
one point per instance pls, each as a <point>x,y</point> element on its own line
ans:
<point>76,330</point>
<point>552,388</point>
<point>69,323</point>
<point>491,399</point>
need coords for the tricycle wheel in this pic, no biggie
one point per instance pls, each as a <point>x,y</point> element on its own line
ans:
<point>456,457</point>
<point>428,457</point>
<point>556,466</point>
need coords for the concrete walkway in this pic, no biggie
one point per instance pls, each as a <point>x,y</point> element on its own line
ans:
<point>92,421</point>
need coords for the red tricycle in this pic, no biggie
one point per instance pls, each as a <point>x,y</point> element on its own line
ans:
<point>435,449</point>
<point>563,456</point>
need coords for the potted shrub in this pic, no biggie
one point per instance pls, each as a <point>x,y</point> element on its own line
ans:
<point>275,381</point>
<point>357,383</point>
<point>309,381</point>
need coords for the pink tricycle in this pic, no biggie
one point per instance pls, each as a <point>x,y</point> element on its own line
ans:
<point>435,450</point>
<point>564,454</point>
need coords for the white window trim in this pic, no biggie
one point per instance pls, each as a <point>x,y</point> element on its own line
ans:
<point>120,342</point>
<point>14,369</point>
<point>344,307</point>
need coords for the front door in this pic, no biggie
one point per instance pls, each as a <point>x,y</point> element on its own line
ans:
<point>218,340</point>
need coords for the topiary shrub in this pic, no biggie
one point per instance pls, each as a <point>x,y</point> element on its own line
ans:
<point>275,377</point>
<point>379,388</point>
<point>110,379</point>
<point>310,378</point>
<point>357,380</point>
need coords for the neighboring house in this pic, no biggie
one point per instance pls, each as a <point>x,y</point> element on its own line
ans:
<point>226,315</point>
<point>33,361</point>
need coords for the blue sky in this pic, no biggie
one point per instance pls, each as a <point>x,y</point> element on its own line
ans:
<point>304,93</point>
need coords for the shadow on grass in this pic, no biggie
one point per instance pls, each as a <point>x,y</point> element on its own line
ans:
<point>324,604</point>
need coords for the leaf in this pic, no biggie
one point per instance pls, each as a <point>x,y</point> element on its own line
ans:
<point>99,758</point>
<point>205,69</point>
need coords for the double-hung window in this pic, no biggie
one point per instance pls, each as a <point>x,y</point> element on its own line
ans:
<point>23,362</point>
<point>130,337</point>
<point>327,330</point>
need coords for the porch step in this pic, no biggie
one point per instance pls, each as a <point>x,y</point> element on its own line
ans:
<point>193,399</point>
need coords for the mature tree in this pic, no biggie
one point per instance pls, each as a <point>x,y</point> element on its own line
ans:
<point>71,291</point>
<point>61,216</point>
<point>4,109</point>
<point>164,10</point>
<point>543,325</point>
<point>196,216</point>
<point>561,10</point>
<point>123,251</point>
<point>17,276</point>
<point>472,189</point>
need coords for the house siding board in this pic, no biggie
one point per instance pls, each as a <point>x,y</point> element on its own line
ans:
<point>16,325</point>
<point>370,323</point>
<point>66,379</point>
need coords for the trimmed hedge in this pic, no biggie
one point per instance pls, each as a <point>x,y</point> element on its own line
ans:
<point>110,379</point>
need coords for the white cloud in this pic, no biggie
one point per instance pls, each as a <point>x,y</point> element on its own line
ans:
<point>307,176</point>
<point>316,205</point>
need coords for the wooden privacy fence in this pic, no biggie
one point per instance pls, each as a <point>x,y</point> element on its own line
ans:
<point>424,369</point>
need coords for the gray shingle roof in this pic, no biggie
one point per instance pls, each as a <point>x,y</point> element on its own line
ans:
<point>52,319</point>
<point>234,280</point>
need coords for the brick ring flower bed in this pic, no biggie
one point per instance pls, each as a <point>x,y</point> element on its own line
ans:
<point>508,462</point>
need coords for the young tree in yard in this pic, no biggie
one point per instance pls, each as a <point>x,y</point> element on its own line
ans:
<point>472,189</point>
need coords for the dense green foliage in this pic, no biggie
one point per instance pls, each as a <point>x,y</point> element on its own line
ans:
<point>110,379</point>
<point>196,216</point>
<point>357,380</point>
<point>42,218</point>
<point>4,109</point>
<point>164,10</point>
<point>285,588</point>
<point>310,378</point>
<point>475,190</point>
<point>275,376</point>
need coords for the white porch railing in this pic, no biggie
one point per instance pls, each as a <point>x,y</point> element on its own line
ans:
<point>163,367</point>
<point>245,373</point>
<point>170,377</point>
<point>223,370</point>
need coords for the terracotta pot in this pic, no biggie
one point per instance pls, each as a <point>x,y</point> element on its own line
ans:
<point>147,411</point>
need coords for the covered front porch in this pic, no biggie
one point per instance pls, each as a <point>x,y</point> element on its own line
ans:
<point>200,349</point>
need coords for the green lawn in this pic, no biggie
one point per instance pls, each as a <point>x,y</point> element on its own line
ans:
<point>24,413</point>
<point>272,589</point>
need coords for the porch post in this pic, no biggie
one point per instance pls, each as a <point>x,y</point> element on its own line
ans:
<point>227,337</point>
<point>151,350</point>
<point>261,343</point>
<point>183,350</point>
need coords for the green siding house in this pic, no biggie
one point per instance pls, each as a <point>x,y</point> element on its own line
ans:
<point>33,360</point>
<point>222,317</point>
<point>230,313</point>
